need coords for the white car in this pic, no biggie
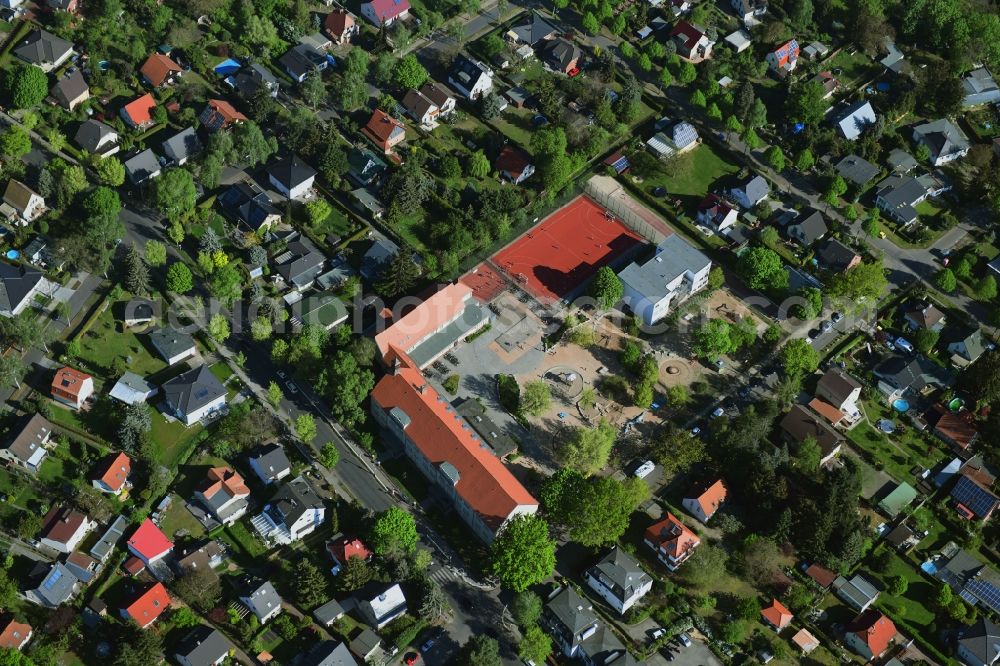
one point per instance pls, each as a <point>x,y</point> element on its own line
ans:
<point>644,470</point>
<point>685,640</point>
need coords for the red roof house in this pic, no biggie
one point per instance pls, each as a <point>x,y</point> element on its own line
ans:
<point>957,428</point>
<point>777,615</point>
<point>672,540</point>
<point>784,58</point>
<point>870,634</point>
<point>112,474</point>
<point>705,500</point>
<point>148,606</point>
<point>387,12</point>
<point>138,114</point>
<point>384,131</point>
<point>148,543</point>
<point>159,70</point>
<point>14,635</point>
<point>72,387</point>
<point>344,549</point>
<point>220,115</point>
<point>514,164</point>
<point>692,42</point>
<point>821,575</point>
<point>339,26</point>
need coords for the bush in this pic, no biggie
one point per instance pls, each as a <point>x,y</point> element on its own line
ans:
<point>451,384</point>
<point>509,392</point>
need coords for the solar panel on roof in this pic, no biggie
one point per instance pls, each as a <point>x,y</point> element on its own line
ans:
<point>987,593</point>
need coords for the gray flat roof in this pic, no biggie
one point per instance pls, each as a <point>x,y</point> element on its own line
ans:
<point>674,257</point>
<point>473,315</point>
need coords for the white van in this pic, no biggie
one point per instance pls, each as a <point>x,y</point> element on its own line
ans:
<point>905,345</point>
<point>644,470</point>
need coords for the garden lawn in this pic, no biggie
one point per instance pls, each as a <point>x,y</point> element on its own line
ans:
<point>177,518</point>
<point>222,371</point>
<point>855,68</point>
<point>927,210</point>
<point>913,605</point>
<point>109,340</point>
<point>172,439</point>
<point>242,540</point>
<point>698,171</point>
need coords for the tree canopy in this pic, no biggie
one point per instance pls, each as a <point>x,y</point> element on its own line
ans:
<point>523,554</point>
<point>394,532</point>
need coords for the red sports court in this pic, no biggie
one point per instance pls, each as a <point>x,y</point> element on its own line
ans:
<point>486,283</point>
<point>558,255</point>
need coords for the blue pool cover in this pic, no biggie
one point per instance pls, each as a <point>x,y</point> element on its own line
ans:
<point>227,67</point>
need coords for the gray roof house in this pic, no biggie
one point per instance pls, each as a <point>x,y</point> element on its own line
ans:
<point>899,374</point>
<point>327,653</point>
<point>897,196</point>
<point>808,227</point>
<point>751,193</point>
<point>181,146</point>
<point>471,78</point>
<point>203,646</point>
<point>979,644</point>
<point>98,138</point>
<point>302,59</point>
<point>619,579</point>
<point>968,345</point>
<point>852,120</point>
<point>673,274</point>
<point>193,395</point>
<point>901,161</point>
<point>294,512</point>
<point>251,78</point>
<point>836,257</point>
<point>300,264</point>
<point>534,31</point>
<point>27,449</point>
<point>71,90</point>
<point>381,251</point>
<point>18,284</point>
<point>857,170</point>
<point>980,88</point>
<point>247,205</point>
<point>329,612</point>
<point>142,167</point>
<point>944,139</point>
<point>261,598</point>
<point>270,463</point>
<point>291,176</point>
<point>380,604</point>
<point>44,50</point>
<point>578,632</point>
<point>132,389</point>
<point>857,592</point>
<point>56,585</point>
<point>172,345</point>
<point>101,550</point>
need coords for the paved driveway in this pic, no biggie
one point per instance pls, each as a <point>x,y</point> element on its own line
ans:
<point>696,655</point>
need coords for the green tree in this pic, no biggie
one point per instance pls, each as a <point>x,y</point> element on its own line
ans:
<point>261,329</point>
<point>714,339</point>
<point>12,371</point>
<point>179,278</point>
<point>925,339</point>
<point>175,194</point>
<point>897,585</point>
<point>274,394</point>
<point>480,650</point>
<point>26,86</point>
<point>535,398</point>
<point>348,385</point>
<point>606,287</point>
<point>775,158</point>
<point>866,282</point>
<point>110,171</point>
<point>762,268</point>
<point>313,89</point>
<point>986,288</point>
<point>310,585</point>
<point>799,357</point>
<point>329,455</point>
<point>807,456</point>
<point>408,72</point>
<point>526,608</point>
<point>804,160</point>
<point>686,74</point>
<point>596,511</point>
<point>697,99</point>
<point>155,253</point>
<point>398,275</point>
<point>218,327</point>
<point>478,165</point>
<point>591,24</point>
<point>15,142</point>
<point>872,226</point>
<point>587,450</point>
<point>393,532</point>
<point>536,646</point>
<point>523,554</point>
<point>945,280</point>
<point>806,103</point>
<point>226,284</point>
<point>305,427</point>
<point>716,278</point>
<point>355,574</point>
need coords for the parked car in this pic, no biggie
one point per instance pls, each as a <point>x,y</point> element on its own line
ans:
<point>685,640</point>
<point>641,472</point>
<point>836,317</point>
<point>905,345</point>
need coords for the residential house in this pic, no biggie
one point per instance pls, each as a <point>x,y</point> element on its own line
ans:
<point>97,138</point>
<point>857,170</point>
<point>805,641</point>
<point>51,585</point>
<point>340,26</point>
<point>619,580</point>
<point>322,309</point>
<point>251,79</point>
<point>381,251</point>
<point>138,312</point>
<point>220,115</point>
<point>852,120</point>
<point>435,326</point>
<point>715,214</point>
<point>418,107</point>
<point>101,550</point>
<point>897,196</point>
<point>18,286</point>
<point>776,615</point>
<point>172,345</point>
<point>802,423</point>
<point>820,575</point>
<point>295,511</point>
<point>704,500</point>
<point>896,501</point>
<point>870,634</point>
<point>924,315</point>
<point>446,450</point>
<point>330,653</point>
<point>247,205</point>
<point>895,60</point>
<point>973,499</point>
<point>302,60</point>
<point>749,11</point>
<point>343,548</point>
<point>260,597</point>
<point>381,604</point>
<point>148,543</point>
<point>367,646</point>
<point>750,193</point>
<point>969,577</point>
<point>64,528</point>
<point>385,12</point>
<point>111,474</point>
<point>71,6</point>
<point>514,164</point>
<point>692,41</point>
<point>739,40</point>
<point>329,613</point>
<point>142,168</point>
<point>292,177</point>
<point>203,646</point>
<point>71,90</point>
<point>14,635</point>
<point>439,96</point>
<point>194,395</point>
<point>957,429</point>
<point>944,139</point>
<point>968,345</point>
<point>899,375</point>
<point>857,592</point>
<point>471,78</point>
<point>132,389</point>
<point>270,464</point>
<point>783,59</point>
<point>364,168</point>
<point>159,70</point>
<point>206,555</point>
<point>808,227</point>
<point>673,542</point>
<point>385,132</point>
<point>836,257</point>
<point>980,88</point>
<point>979,643</point>
<point>43,50</point>
<point>901,161</point>
<point>561,56</point>
<point>534,32</point>
<point>28,448</point>
<point>828,82</point>
<point>148,606</point>
<point>181,146</point>
<point>72,387</point>
<point>84,567</point>
<point>675,272</point>
<point>902,537</point>
<point>578,633</point>
<point>673,138</point>
<point>224,494</point>
<point>300,264</point>
<point>816,51</point>
<point>842,391</point>
<point>26,204</point>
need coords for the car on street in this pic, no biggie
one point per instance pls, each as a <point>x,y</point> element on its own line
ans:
<point>685,640</point>
<point>292,388</point>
